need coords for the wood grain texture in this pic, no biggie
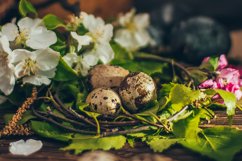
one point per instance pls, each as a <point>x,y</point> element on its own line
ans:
<point>51,152</point>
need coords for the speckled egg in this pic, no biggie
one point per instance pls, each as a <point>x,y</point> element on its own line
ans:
<point>136,90</point>
<point>107,76</point>
<point>104,101</point>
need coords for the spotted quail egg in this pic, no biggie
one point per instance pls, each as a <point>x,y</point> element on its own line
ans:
<point>136,90</point>
<point>107,76</point>
<point>104,101</point>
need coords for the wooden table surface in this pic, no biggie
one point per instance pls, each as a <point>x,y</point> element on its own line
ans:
<point>50,151</point>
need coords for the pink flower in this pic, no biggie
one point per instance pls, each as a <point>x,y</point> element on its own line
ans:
<point>222,62</point>
<point>207,84</point>
<point>234,88</point>
<point>229,75</point>
<point>228,78</point>
<point>205,60</point>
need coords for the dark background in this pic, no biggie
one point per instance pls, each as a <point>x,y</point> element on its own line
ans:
<point>227,12</point>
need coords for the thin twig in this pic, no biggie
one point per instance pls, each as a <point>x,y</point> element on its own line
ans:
<point>60,125</point>
<point>62,118</point>
<point>145,121</point>
<point>119,123</point>
<point>72,112</point>
<point>174,117</point>
<point>124,132</point>
<point>167,60</point>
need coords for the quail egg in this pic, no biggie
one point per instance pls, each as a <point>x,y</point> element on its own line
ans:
<point>104,101</point>
<point>136,90</point>
<point>107,76</point>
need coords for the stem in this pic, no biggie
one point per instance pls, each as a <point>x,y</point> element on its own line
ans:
<point>120,123</point>
<point>142,120</point>
<point>63,118</point>
<point>60,125</point>
<point>129,131</point>
<point>174,117</point>
<point>80,117</point>
<point>167,60</point>
<point>72,112</point>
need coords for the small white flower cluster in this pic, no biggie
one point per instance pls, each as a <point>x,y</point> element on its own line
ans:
<point>98,36</point>
<point>25,54</point>
<point>133,32</point>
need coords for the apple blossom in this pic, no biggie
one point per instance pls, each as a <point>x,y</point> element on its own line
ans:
<point>36,67</point>
<point>29,32</point>
<point>99,34</point>
<point>133,33</point>
<point>81,63</point>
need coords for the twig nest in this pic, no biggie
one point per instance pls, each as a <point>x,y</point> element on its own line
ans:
<point>104,101</point>
<point>136,90</point>
<point>107,76</point>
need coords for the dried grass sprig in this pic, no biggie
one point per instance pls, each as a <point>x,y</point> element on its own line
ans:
<point>12,127</point>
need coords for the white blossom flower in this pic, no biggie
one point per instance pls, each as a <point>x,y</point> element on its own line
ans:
<point>81,63</point>
<point>99,34</point>
<point>35,67</point>
<point>7,78</point>
<point>133,33</point>
<point>29,32</point>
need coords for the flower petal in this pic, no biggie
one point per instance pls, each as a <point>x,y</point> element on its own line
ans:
<point>126,18</point>
<point>47,59</point>
<point>41,38</point>
<point>7,82</point>
<point>222,62</point>
<point>21,54</point>
<point>10,30</point>
<point>19,69</point>
<point>142,21</point>
<point>71,58</point>
<point>82,40</point>
<point>48,73</point>
<point>27,24</point>
<point>25,148</point>
<point>90,22</point>
<point>37,80</point>
<point>125,38</point>
<point>90,59</point>
<point>104,52</point>
<point>106,33</point>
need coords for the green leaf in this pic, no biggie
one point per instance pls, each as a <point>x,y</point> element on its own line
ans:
<point>52,22</point>
<point>219,143</point>
<point>47,130</point>
<point>25,8</point>
<point>181,96</point>
<point>105,143</point>
<point>198,75</point>
<point>120,52</point>
<point>165,90</point>
<point>159,144</point>
<point>187,127</point>
<point>211,65</point>
<point>229,101</point>
<point>64,72</point>
<point>60,45</point>
<point>148,67</point>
